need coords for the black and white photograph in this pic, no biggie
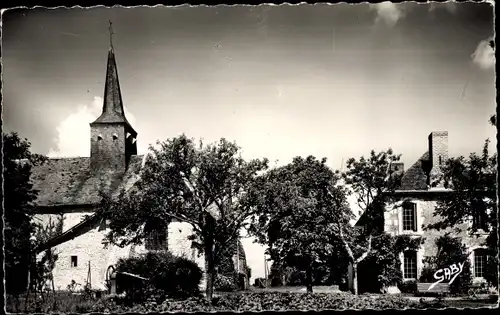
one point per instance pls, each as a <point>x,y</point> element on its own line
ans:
<point>272,157</point>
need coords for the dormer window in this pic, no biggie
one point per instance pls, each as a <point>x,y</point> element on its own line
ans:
<point>115,136</point>
<point>99,137</point>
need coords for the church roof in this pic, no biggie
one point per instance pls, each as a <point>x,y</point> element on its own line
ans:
<point>113,111</point>
<point>71,182</point>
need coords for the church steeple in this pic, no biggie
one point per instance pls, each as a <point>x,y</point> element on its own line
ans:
<point>113,140</point>
<point>112,110</point>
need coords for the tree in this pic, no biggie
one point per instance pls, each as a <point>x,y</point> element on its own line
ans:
<point>18,204</point>
<point>372,180</point>
<point>473,197</point>
<point>300,205</point>
<point>41,271</point>
<point>450,250</point>
<point>382,266</point>
<point>205,186</point>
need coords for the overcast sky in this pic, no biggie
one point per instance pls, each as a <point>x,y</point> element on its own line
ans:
<point>333,81</point>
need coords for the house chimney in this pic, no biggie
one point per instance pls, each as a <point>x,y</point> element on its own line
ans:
<point>438,154</point>
<point>398,167</point>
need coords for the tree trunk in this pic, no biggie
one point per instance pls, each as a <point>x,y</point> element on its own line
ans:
<point>209,256</point>
<point>355,277</point>
<point>210,273</point>
<point>309,280</point>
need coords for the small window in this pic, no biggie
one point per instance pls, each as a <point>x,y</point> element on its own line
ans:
<point>440,160</point>
<point>480,260</point>
<point>410,265</point>
<point>410,217</point>
<point>115,136</point>
<point>74,261</point>
<point>99,137</point>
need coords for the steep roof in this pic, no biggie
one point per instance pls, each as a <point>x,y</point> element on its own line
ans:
<point>415,177</point>
<point>71,182</point>
<point>113,111</point>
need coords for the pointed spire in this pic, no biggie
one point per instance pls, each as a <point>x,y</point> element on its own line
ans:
<point>112,111</point>
<point>111,35</point>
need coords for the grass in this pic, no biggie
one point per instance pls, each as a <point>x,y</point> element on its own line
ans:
<point>60,300</point>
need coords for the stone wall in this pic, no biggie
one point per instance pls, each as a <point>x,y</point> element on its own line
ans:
<point>107,152</point>
<point>425,215</point>
<point>88,249</point>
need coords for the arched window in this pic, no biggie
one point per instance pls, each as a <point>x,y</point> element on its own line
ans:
<point>480,259</point>
<point>410,264</point>
<point>99,137</point>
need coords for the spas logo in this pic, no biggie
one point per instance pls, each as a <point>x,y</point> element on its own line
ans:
<point>449,273</point>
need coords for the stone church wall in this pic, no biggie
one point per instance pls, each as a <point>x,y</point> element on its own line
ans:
<point>179,245</point>
<point>87,249</point>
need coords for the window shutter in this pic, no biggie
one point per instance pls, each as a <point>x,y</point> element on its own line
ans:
<point>415,226</point>
<point>483,220</point>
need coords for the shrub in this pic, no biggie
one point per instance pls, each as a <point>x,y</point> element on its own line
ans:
<point>427,273</point>
<point>168,275</point>
<point>408,286</point>
<point>297,278</point>
<point>224,283</point>
<point>269,301</point>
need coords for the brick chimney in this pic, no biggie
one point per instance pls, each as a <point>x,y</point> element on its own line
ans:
<point>438,154</point>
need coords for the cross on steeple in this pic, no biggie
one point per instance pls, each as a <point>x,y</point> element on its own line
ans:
<point>111,33</point>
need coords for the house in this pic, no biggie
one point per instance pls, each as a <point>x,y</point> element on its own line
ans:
<point>69,192</point>
<point>416,198</point>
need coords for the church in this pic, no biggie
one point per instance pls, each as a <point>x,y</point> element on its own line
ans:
<point>69,193</point>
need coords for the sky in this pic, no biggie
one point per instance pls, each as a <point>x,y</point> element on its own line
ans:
<point>332,81</point>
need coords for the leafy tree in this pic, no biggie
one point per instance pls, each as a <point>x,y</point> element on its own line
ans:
<point>473,196</point>
<point>372,180</point>
<point>41,271</point>
<point>300,207</point>
<point>205,186</point>
<point>450,251</point>
<point>382,266</point>
<point>18,204</point>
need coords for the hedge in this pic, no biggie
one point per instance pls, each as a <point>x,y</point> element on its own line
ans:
<point>268,301</point>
